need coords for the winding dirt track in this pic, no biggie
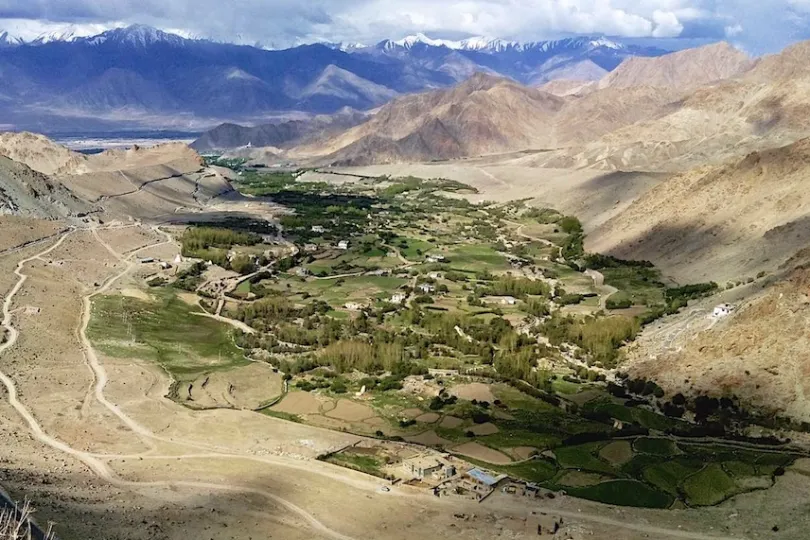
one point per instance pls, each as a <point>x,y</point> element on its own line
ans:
<point>96,462</point>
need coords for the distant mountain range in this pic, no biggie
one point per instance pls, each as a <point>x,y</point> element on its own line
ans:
<point>143,77</point>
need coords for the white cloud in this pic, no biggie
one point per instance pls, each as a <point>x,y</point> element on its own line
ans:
<point>28,30</point>
<point>761,24</point>
<point>666,24</point>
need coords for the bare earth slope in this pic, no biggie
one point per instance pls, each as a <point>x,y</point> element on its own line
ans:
<point>25,192</point>
<point>482,115</point>
<point>719,223</point>
<point>681,70</point>
<point>39,153</point>
<point>764,107</point>
<point>761,353</point>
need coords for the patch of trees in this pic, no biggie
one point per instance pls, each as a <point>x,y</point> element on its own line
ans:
<point>202,238</point>
<point>537,307</point>
<point>574,246</point>
<point>517,287</point>
<point>600,337</point>
<point>190,278</point>
<point>621,303</point>
<point>597,261</point>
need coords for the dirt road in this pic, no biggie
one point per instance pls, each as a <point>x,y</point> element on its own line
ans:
<point>99,463</point>
<point>95,463</point>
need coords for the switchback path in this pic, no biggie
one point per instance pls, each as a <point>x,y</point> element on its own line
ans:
<point>94,463</point>
<point>97,462</point>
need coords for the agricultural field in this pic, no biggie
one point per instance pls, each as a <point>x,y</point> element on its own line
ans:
<point>387,309</point>
<point>208,369</point>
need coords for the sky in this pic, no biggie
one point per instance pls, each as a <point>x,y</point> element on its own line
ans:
<point>757,26</point>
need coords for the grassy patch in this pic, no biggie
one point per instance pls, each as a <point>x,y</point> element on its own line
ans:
<point>583,457</point>
<point>624,493</point>
<point>668,476</point>
<point>166,331</point>
<point>477,258</point>
<point>657,447</point>
<point>364,463</point>
<point>617,453</point>
<point>710,486</point>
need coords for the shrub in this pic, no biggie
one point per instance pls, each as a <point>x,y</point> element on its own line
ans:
<point>622,303</point>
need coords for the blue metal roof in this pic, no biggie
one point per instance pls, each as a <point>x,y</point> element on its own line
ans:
<point>484,477</point>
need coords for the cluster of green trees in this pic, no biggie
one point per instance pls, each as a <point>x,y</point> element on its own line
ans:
<point>518,287</point>
<point>599,337</point>
<point>212,244</point>
<point>190,278</point>
<point>574,246</point>
<point>349,355</point>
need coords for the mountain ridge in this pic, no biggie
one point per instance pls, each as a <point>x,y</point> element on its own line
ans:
<point>146,77</point>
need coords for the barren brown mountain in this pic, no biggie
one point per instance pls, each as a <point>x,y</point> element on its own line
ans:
<point>719,223</point>
<point>681,70</point>
<point>25,192</point>
<point>483,115</point>
<point>486,115</point>
<point>764,107</point>
<point>39,153</point>
<point>759,353</point>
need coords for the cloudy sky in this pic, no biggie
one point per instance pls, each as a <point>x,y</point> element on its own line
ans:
<point>758,26</point>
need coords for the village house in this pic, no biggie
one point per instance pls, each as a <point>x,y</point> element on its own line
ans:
<point>398,298</point>
<point>484,478</point>
<point>435,258</point>
<point>423,467</point>
<point>310,248</point>
<point>343,245</point>
<point>508,301</point>
<point>723,310</point>
<point>427,288</point>
<point>354,306</point>
<point>318,229</point>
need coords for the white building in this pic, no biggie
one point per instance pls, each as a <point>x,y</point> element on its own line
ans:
<point>435,258</point>
<point>354,306</point>
<point>318,229</point>
<point>723,310</point>
<point>508,301</point>
<point>398,298</point>
<point>310,248</point>
<point>343,244</point>
<point>427,288</point>
<point>435,275</point>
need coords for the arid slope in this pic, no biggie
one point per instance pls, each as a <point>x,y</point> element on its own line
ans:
<point>719,223</point>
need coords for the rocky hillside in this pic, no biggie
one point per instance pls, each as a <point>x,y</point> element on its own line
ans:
<point>764,107</point>
<point>279,135</point>
<point>719,223</point>
<point>485,114</point>
<point>682,70</point>
<point>25,192</point>
<point>40,153</point>
<point>760,354</point>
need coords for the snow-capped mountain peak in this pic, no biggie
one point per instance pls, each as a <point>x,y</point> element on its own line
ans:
<point>496,45</point>
<point>604,42</point>
<point>138,35</point>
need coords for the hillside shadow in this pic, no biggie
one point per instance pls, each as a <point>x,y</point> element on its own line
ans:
<point>695,252</point>
<point>84,507</point>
